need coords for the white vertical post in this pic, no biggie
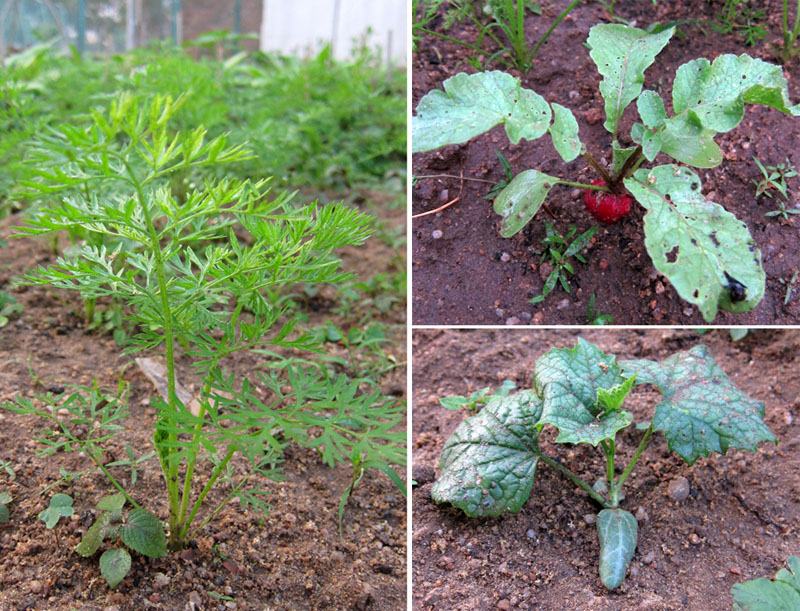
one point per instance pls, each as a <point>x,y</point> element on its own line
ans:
<point>130,25</point>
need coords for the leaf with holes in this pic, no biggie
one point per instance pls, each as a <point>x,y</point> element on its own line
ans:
<point>519,202</point>
<point>488,463</point>
<point>622,54</point>
<point>569,382</point>
<point>701,411</point>
<point>706,253</point>
<point>472,104</point>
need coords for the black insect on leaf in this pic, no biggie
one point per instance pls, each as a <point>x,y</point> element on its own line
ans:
<point>737,290</point>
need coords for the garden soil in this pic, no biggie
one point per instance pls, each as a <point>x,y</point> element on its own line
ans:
<point>739,521</point>
<point>293,558</point>
<point>464,273</point>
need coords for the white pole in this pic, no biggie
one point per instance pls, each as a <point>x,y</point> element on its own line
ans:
<point>130,25</point>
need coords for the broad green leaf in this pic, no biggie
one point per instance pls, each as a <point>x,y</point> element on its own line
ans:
<point>715,93</point>
<point>761,594</point>
<point>564,131</point>
<point>488,463</point>
<point>651,109</point>
<point>60,506</point>
<point>519,202</point>
<point>112,502</point>
<point>702,249</point>
<point>472,104</point>
<point>453,403</point>
<point>611,399</point>
<point>3,514</point>
<point>5,497</point>
<point>568,382</point>
<point>701,411</point>
<point>94,536</point>
<point>622,54</point>
<point>685,140</point>
<point>114,565</point>
<point>617,530</point>
<point>143,533</point>
<point>651,145</point>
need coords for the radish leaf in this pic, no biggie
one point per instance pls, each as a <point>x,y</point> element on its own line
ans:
<point>705,251</point>
<point>519,202</point>
<point>564,131</point>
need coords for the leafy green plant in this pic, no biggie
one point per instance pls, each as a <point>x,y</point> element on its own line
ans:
<point>60,507</point>
<point>5,501</point>
<point>789,286</point>
<point>476,400</point>
<point>558,250</point>
<point>739,16</point>
<point>775,178</point>
<point>593,315</point>
<point>190,284</point>
<point>488,464</point>
<point>9,308</point>
<point>790,48</point>
<point>508,16</point>
<point>782,594</point>
<point>704,251</point>
<point>140,530</point>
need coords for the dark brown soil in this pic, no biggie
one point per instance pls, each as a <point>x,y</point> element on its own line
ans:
<point>291,559</point>
<point>470,275</point>
<point>739,522</point>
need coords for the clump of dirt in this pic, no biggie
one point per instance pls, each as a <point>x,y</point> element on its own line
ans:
<point>737,522</point>
<point>293,558</point>
<point>465,273</point>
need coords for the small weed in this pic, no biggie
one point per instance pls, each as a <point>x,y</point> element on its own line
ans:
<point>131,462</point>
<point>8,467</point>
<point>60,507</point>
<point>790,48</point>
<point>476,400</point>
<point>739,16</point>
<point>775,178</point>
<point>5,501</point>
<point>789,286</point>
<point>508,176</point>
<point>558,251</point>
<point>9,308</point>
<point>594,317</point>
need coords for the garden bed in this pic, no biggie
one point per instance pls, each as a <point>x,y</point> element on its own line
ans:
<point>736,524</point>
<point>292,558</point>
<point>465,273</point>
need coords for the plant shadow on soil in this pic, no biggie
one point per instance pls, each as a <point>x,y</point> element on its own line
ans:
<point>739,521</point>
<point>292,558</point>
<point>465,273</point>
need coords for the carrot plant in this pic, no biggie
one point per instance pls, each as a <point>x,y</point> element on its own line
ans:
<point>195,274</point>
<point>706,253</point>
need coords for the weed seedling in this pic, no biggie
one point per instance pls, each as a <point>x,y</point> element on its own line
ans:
<point>9,308</point>
<point>488,464</point>
<point>790,47</point>
<point>594,317</point>
<point>706,253</point>
<point>789,286</point>
<point>739,16</point>
<point>60,507</point>
<point>5,501</point>
<point>557,253</point>
<point>140,530</point>
<point>476,400</point>
<point>775,178</point>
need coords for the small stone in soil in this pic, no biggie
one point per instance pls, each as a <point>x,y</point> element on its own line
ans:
<point>590,518</point>
<point>679,489</point>
<point>563,304</point>
<point>36,586</point>
<point>531,534</point>
<point>688,311</point>
<point>436,234</point>
<point>641,515</point>
<point>694,539</point>
<point>423,474</point>
<point>505,257</point>
<point>500,312</point>
<point>512,321</point>
<point>649,557</point>
<point>160,581</point>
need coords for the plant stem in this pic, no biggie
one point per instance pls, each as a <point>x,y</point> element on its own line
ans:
<point>580,185</point>
<point>600,169</point>
<point>558,20</point>
<point>577,480</point>
<point>630,162</point>
<point>212,480</point>
<point>491,182</point>
<point>111,478</point>
<point>609,448</point>
<point>642,445</point>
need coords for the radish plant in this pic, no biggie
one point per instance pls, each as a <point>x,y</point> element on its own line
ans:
<point>195,274</point>
<point>488,464</point>
<point>705,252</point>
